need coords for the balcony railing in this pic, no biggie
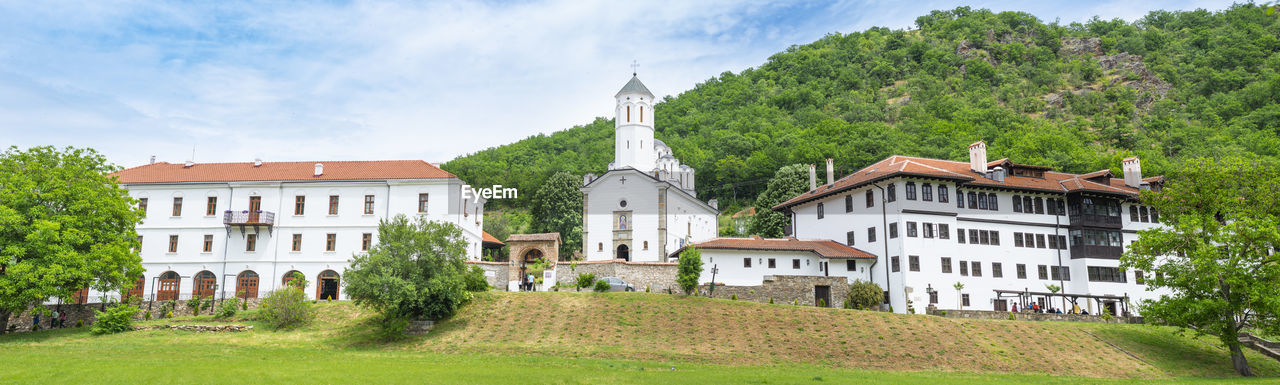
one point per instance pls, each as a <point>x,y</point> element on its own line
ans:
<point>249,218</point>
<point>1096,251</point>
<point>1104,221</point>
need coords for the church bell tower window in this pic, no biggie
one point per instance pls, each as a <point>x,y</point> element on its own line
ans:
<point>628,114</point>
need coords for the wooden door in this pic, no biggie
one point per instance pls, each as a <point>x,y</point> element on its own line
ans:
<point>247,285</point>
<point>168,288</point>
<point>204,283</point>
<point>822,296</point>
<point>82,296</point>
<point>1001,305</point>
<point>255,205</point>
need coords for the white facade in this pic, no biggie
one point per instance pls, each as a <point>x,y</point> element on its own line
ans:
<point>751,267</point>
<point>920,260</point>
<point>645,206</point>
<point>360,205</point>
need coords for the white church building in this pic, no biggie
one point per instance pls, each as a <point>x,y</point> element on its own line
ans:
<point>645,205</point>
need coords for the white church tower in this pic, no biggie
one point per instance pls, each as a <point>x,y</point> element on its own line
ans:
<point>633,145</point>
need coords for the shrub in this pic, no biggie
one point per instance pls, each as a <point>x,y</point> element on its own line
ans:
<point>417,270</point>
<point>79,323</point>
<point>734,297</point>
<point>474,279</point>
<point>601,286</point>
<point>943,313</point>
<point>298,280</point>
<point>689,270</point>
<point>227,309</point>
<point>146,316</point>
<point>285,308</point>
<point>116,319</point>
<point>864,295</point>
<point>1011,317</point>
<point>646,288</point>
<point>1107,316</point>
<point>770,300</point>
<point>586,281</point>
<point>822,302</point>
<point>391,328</point>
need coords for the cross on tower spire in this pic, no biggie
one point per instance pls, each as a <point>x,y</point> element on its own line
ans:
<point>634,65</point>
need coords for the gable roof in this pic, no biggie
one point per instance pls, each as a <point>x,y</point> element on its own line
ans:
<point>959,172</point>
<point>164,172</point>
<point>825,248</point>
<point>489,238</point>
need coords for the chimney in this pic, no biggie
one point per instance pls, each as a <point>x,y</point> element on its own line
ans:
<point>813,177</point>
<point>153,159</point>
<point>1132,172</point>
<point>189,164</point>
<point>257,162</point>
<point>997,174</point>
<point>978,157</point>
<point>831,171</point>
<point>319,169</point>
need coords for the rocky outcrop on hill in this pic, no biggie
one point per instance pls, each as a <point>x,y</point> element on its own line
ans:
<point>1088,46</point>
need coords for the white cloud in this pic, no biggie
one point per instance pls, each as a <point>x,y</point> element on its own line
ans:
<point>372,80</point>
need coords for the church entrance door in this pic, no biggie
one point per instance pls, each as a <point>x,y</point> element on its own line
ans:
<point>624,253</point>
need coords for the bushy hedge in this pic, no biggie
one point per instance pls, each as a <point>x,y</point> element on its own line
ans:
<point>864,295</point>
<point>601,286</point>
<point>586,280</point>
<point>116,319</point>
<point>286,307</point>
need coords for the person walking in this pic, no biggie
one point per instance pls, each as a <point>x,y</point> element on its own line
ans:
<point>62,322</point>
<point>35,322</point>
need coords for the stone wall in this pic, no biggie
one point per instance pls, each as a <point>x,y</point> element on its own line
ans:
<point>85,313</point>
<point>1023,316</point>
<point>494,272</point>
<point>656,276</point>
<point>784,289</point>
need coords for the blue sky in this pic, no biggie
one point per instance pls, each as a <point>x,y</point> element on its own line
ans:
<point>363,80</point>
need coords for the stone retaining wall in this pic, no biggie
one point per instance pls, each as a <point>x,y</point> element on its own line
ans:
<point>1024,316</point>
<point>656,276</point>
<point>784,289</point>
<point>76,313</point>
<point>198,328</point>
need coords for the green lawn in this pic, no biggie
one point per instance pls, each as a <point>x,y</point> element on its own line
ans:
<point>339,348</point>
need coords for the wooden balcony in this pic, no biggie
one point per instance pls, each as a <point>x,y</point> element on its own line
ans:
<point>246,218</point>
<point>1103,221</point>
<point>1095,251</point>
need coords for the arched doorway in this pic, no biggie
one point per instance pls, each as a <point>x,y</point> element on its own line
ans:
<point>288,277</point>
<point>624,253</point>
<point>327,285</point>
<point>204,283</point>
<point>169,284</point>
<point>530,257</point>
<point>247,284</point>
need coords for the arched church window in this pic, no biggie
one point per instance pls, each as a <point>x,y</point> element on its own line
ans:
<point>646,245</point>
<point>628,113</point>
<point>600,246</point>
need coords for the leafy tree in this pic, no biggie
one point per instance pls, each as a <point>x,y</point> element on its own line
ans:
<point>787,183</point>
<point>864,295</point>
<point>64,225</point>
<point>558,206</point>
<point>959,297</point>
<point>1214,251</point>
<point>689,269</point>
<point>417,270</point>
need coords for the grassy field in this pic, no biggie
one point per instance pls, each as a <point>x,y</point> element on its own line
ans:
<point>623,338</point>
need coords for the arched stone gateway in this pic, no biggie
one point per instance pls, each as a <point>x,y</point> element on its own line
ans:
<point>526,251</point>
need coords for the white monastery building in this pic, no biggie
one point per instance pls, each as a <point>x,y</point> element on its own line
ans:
<point>999,228</point>
<point>645,205</point>
<point>229,229</point>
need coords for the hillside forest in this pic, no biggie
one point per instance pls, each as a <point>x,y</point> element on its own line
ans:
<point>1077,97</point>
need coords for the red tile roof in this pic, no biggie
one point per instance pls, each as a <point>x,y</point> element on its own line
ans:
<point>907,166</point>
<point>164,172</point>
<point>825,248</point>
<point>489,238</point>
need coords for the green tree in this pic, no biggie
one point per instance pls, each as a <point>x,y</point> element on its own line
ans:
<point>417,270</point>
<point>689,270</point>
<point>1213,252</point>
<point>557,205</point>
<point>64,225</point>
<point>787,183</point>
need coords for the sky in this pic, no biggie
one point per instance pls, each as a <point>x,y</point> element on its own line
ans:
<point>229,81</point>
